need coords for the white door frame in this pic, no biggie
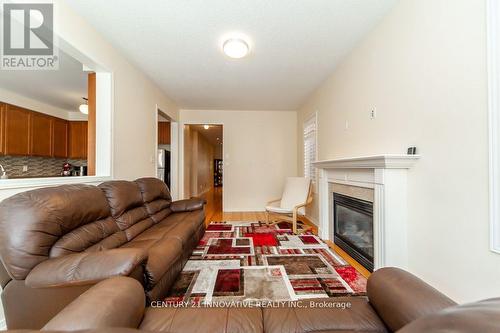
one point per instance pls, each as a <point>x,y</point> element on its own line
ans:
<point>181,156</point>
<point>174,153</point>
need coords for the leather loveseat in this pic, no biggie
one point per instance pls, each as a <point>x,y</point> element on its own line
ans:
<point>397,302</point>
<point>55,243</point>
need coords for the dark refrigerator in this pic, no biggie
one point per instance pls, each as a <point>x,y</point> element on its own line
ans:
<point>163,171</point>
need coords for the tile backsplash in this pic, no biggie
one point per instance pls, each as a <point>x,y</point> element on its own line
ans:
<point>37,166</point>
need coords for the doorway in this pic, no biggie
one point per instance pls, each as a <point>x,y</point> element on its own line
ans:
<point>167,152</point>
<point>203,166</point>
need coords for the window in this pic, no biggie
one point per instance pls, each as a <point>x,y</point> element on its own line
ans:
<point>310,147</point>
<point>494,120</point>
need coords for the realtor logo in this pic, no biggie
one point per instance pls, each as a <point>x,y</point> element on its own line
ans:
<point>28,37</point>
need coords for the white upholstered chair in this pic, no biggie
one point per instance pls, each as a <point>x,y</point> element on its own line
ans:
<point>296,195</point>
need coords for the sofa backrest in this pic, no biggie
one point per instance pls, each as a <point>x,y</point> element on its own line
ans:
<point>56,221</point>
<point>33,224</point>
<point>156,198</point>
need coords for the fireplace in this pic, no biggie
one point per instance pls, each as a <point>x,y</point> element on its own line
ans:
<point>353,228</point>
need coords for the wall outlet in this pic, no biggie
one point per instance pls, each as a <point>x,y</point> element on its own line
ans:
<point>25,168</point>
<point>346,124</point>
<point>373,113</point>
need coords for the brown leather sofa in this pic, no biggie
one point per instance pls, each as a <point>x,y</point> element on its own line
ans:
<point>397,302</point>
<point>55,243</point>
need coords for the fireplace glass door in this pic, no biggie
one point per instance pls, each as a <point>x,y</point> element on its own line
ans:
<point>353,228</point>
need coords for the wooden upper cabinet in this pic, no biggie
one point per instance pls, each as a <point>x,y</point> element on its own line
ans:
<point>16,130</point>
<point>78,139</point>
<point>164,133</point>
<point>2,123</point>
<point>59,138</point>
<point>41,135</point>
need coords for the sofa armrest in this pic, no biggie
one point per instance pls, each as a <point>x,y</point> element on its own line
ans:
<point>85,268</point>
<point>115,302</point>
<point>400,297</point>
<point>187,205</point>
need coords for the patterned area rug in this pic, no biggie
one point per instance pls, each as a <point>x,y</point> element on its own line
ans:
<point>250,261</point>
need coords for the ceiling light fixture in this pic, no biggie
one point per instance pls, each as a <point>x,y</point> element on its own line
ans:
<point>84,108</point>
<point>235,48</point>
<point>206,127</point>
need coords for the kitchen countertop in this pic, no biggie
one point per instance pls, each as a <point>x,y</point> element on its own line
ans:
<point>30,177</point>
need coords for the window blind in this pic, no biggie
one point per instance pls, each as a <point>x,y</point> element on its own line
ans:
<point>310,147</point>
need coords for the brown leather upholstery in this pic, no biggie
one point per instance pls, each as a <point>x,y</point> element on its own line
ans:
<point>80,234</point>
<point>400,297</point>
<point>31,223</point>
<point>305,317</point>
<point>116,302</point>
<point>478,317</point>
<point>31,308</point>
<point>119,302</point>
<point>187,205</point>
<point>85,268</point>
<point>234,320</point>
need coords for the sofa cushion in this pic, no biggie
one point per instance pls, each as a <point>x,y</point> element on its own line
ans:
<point>328,315</point>
<point>161,257</point>
<point>234,320</point>
<point>481,317</point>
<point>158,230</point>
<point>400,297</point>
<point>121,195</point>
<point>32,222</point>
<point>156,198</point>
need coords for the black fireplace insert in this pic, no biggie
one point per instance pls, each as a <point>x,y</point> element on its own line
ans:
<point>353,228</point>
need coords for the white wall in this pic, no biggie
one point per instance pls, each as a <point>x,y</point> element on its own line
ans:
<point>259,153</point>
<point>135,97</point>
<point>424,68</point>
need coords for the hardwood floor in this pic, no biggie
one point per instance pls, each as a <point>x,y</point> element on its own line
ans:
<point>213,211</point>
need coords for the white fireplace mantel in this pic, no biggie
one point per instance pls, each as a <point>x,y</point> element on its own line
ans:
<point>387,176</point>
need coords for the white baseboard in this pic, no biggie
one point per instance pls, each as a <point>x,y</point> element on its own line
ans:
<point>312,219</point>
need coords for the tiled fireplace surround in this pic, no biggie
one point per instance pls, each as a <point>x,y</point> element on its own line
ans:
<point>378,179</point>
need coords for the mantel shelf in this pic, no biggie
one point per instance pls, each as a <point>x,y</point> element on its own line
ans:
<point>370,162</point>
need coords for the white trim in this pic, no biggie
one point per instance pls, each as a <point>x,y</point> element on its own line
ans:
<point>493,36</point>
<point>104,124</point>
<point>49,181</point>
<point>174,159</point>
<point>370,162</point>
<point>181,155</point>
<point>387,176</point>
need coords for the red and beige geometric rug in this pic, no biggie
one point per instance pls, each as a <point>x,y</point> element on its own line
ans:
<point>250,261</point>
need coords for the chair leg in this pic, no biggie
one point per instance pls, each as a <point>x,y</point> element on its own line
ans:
<point>294,218</point>
<point>267,217</point>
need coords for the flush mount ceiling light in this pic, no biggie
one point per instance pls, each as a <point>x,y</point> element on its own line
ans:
<point>206,127</point>
<point>84,108</point>
<point>235,48</point>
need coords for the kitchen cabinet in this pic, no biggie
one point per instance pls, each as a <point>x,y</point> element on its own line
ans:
<point>59,138</point>
<point>78,139</point>
<point>16,130</point>
<point>164,133</point>
<point>2,122</point>
<point>40,135</point>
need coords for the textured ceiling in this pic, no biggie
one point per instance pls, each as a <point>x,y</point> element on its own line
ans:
<point>296,45</point>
